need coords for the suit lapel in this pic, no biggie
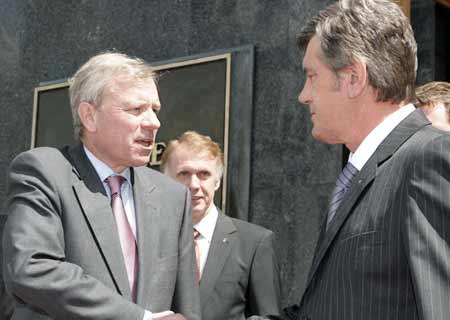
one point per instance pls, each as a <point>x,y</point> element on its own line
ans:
<point>147,215</point>
<point>94,204</point>
<point>414,122</point>
<point>223,240</point>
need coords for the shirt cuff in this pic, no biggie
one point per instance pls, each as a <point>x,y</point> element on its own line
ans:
<point>147,315</point>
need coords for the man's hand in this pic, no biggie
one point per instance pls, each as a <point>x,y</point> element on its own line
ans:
<point>264,318</point>
<point>161,315</point>
<point>168,315</point>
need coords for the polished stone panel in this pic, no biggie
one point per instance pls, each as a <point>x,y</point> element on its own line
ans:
<point>423,23</point>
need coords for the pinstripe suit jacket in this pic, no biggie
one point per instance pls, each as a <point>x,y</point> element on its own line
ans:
<point>386,255</point>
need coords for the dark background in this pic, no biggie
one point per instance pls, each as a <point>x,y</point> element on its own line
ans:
<point>291,174</point>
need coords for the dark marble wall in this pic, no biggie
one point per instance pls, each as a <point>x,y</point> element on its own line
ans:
<point>442,66</point>
<point>423,21</point>
<point>292,175</point>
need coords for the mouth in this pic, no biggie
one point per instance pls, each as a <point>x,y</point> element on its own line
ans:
<point>148,142</point>
<point>195,198</point>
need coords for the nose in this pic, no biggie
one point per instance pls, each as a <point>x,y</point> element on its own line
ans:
<point>194,182</point>
<point>304,96</point>
<point>150,120</point>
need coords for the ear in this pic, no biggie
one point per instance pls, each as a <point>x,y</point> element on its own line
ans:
<point>357,82</point>
<point>217,185</point>
<point>427,109</point>
<point>87,113</point>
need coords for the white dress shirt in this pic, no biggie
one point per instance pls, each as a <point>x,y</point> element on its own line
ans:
<point>370,143</point>
<point>104,171</point>
<point>206,227</point>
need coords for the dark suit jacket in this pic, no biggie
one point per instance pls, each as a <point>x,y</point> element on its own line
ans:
<point>62,255</point>
<point>240,277</point>
<point>6,301</point>
<point>386,255</point>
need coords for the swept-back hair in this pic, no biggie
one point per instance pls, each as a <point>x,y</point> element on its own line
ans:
<point>89,82</point>
<point>375,32</point>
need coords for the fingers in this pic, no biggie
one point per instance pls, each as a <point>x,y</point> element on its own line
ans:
<point>159,315</point>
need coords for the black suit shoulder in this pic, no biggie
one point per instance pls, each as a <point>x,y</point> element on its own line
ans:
<point>427,142</point>
<point>251,230</point>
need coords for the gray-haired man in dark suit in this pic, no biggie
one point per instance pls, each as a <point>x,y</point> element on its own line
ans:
<point>384,247</point>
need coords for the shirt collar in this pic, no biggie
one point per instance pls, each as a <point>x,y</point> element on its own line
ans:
<point>207,225</point>
<point>377,135</point>
<point>103,170</point>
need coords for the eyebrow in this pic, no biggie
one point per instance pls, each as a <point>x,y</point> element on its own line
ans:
<point>157,105</point>
<point>143,102</point>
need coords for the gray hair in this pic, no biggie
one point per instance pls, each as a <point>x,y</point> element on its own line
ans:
<point>89,82</point>
<point>375,32</point>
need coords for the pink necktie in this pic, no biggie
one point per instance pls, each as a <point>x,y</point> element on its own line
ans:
<point>126,237</point>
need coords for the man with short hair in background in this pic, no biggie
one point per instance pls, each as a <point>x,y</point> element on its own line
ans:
<point>434,100</point>
<point>92,233</point>
<point>237,267</point>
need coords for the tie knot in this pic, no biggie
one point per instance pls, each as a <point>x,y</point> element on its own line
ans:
<point>114,183</point>
<point>345,178</point>
<point>196,234</point>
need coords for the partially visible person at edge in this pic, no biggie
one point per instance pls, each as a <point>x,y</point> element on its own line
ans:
<point>6,301</point>
<point>384,245</point>
<point>92,233</point>
<point>434,100</point>
<point>237,266</point>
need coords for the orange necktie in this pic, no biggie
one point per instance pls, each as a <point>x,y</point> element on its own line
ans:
<point>197,253</point>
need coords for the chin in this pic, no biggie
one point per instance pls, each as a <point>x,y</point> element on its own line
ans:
<point>142,161</point>
<point>316,135</point>
<point>198,212</point>
<point>320,136</point>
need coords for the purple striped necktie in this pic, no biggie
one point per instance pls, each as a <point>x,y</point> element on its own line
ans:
<point>126,237</point>
<point>343,183</point>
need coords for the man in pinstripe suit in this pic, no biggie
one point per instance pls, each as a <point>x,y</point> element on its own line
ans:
<point>384,253</point>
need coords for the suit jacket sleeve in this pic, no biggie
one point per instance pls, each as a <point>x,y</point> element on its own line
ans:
<point>264,283</point>
<point>426,229</point>
<point>6,303</point>
<point>186,298</point>
<point>35,270</point>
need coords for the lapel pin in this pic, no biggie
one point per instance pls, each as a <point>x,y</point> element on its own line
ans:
<point>225,240</point>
